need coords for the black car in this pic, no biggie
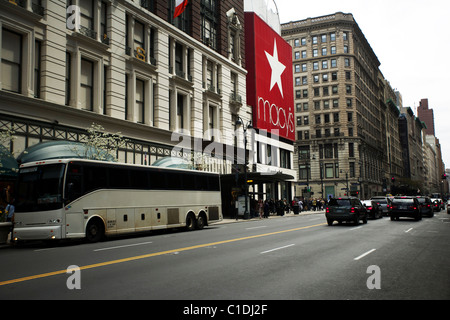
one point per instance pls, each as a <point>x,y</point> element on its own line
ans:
<point>405,207</point>
<point>384,202</point>
<point>426,206</point>
<point>345,209</point>
<point>373,208</point>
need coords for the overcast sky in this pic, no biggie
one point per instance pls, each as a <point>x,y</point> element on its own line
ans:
<point>411,38</point>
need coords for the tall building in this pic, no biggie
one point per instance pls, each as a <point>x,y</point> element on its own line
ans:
<point>426,115</point>
<point>338,115</point>
<point>131,67</point>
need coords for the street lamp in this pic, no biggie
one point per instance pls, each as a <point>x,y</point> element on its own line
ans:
<point>249,125</point>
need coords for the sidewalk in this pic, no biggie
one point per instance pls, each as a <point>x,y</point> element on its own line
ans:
<point>287,215</point>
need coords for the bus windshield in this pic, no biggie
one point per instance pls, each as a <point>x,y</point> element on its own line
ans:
<point>40,188</point>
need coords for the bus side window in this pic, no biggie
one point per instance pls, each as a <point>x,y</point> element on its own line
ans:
<point>73,187</point>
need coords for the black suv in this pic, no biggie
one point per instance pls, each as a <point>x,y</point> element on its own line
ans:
<point>405,207</point>
<point>345,209</point>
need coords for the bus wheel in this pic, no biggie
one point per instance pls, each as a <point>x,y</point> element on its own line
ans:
<point>201,221</point>
<point>95,230</point>
<point>190,221</point>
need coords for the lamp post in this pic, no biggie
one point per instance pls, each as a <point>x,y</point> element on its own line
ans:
<point>239,122</point>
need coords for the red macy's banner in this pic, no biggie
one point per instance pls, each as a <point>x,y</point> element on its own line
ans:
<point>270,86</point>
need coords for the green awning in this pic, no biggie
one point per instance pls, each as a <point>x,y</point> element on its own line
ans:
<point>59,150</point>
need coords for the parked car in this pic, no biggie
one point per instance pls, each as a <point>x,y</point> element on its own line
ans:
<point>405,207</point>
<point>345,209</point>
<point>373,208</point>
<point>384,203</point>
<point>426,206</point>
<point>448,206</point>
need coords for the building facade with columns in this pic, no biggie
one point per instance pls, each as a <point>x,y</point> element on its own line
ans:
<point>129,66</point>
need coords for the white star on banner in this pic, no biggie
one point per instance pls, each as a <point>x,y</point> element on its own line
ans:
<point>277,68</point>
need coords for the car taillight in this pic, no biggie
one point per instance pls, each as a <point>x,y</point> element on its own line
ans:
<point>328,210</point>
<point>352,210</point>
<point>369,208</point>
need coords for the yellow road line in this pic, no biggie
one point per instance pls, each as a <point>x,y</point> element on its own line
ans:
<point>107,263</point>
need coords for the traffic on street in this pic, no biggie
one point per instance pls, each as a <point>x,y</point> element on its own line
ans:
<point>290,257</point>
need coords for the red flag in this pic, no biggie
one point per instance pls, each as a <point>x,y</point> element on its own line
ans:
<point>180,5</point>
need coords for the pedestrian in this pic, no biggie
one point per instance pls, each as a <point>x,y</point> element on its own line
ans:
<point>261,208</point>
<point>295,206</point>
<point>10,209</point>
<point>266,209</point>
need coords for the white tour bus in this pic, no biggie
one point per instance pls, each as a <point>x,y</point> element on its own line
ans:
<point>77,198</point>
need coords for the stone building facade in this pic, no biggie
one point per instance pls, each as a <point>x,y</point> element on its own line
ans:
<point>128,66</point>
<point>343,117</point>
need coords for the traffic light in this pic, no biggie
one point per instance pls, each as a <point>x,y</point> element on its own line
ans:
<point>444,176</point>
<point>393,179</point>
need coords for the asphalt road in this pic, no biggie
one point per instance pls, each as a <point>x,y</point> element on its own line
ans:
<point>288,258</point>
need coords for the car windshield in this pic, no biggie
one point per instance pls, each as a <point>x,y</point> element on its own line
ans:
<point>339,202</point>
<point>40,188</point>
<point>422,200</point>
<point>383,201</point>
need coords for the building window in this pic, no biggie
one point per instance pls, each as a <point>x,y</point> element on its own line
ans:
<point>68,73</point>
<point>209,23</point>
<point>103,23</point>
<point>329,170</point>
<point>345,36</point>
<point>87,18</point>
<point>140,100</point>
<point>304,67</point>
<point>181,22</point>
<point>306,120</point>
<point>351,150</point>
<point>37,69</point>
<point>179,60</point>
<point>139,41</point>
<point>352,169</point>
<point>347,62</point>
<point>87,85</point>
<point>11,61</point>
<point>285,159</point>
